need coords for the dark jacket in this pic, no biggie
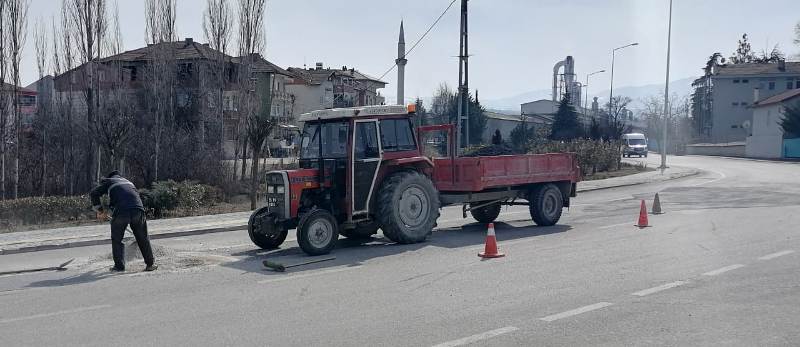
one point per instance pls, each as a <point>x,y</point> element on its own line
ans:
<point>121,192</point>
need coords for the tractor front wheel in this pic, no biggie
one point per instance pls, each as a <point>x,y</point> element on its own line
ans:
<point>317,232</point>
<point>263,232</point>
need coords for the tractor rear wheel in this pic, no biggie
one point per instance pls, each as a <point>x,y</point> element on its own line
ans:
<point>262,233</point>
<point>546,204</point>
<point>317,232</point>
<point>485,214</point>
<point>408,207</point>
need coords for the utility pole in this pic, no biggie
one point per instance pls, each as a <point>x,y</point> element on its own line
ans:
<point>463,82</point>
<point>666,95</point>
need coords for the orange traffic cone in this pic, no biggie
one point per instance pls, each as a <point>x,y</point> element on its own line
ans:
<point>490,250</point>
<point>657,206</point>
<point>643,216</point>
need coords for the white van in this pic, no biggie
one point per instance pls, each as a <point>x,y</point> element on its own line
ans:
<point>634,144</point>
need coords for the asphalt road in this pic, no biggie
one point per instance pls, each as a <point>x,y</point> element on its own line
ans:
<point>719,268</point>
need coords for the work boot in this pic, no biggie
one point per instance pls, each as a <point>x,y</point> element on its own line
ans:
<point>117,269</point>
<point>152,267</point>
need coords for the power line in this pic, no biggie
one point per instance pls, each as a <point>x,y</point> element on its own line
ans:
<point>420,39</point>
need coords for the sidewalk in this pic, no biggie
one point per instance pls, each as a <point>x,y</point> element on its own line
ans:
<point>37,240</point>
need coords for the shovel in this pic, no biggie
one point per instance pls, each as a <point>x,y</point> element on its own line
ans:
<point>61,267</point>
<point>278,267</point>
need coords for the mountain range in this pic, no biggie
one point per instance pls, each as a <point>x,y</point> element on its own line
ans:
<point>511,104</point>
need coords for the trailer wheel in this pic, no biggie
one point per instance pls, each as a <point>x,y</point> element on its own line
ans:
<point>408,207</point>
<point>485,214</point>
<point>317,232</point>
<point>361,232</point>
<point>260,232</point>
<point>546,204</point>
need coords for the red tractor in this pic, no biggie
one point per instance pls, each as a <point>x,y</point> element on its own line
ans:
<point>362,169</point>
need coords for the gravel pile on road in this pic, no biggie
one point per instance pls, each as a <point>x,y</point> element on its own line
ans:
<point>166,258</point>
<point>490,151</point>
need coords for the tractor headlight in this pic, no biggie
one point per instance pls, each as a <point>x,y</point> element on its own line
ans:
<point>280,189</point>
<point>271,189</point>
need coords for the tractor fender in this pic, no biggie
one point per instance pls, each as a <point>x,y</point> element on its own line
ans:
<point>422,164</point>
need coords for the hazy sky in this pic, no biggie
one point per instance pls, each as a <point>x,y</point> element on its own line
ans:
<point>514,43</point>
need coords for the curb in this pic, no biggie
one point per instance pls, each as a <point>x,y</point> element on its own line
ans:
<point>695,172</point>
<point>96,242</point>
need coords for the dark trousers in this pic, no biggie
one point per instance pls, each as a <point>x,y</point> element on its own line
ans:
<point>138,222</point>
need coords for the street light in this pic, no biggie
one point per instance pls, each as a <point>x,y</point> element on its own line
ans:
<point>586,98</point>
<point>613,56</point>
<point>666,95</point>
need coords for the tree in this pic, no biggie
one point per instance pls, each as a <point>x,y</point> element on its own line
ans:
<point>258,120</point>
<point>88,30</point>
<point>477,120</point>
<point>521,135</point>
<point>160,32</point>
<point>744,53</point>
<point>771,57</point>
<point>421,113</point>
<point>616,119</point>
<point>595,130</point>
<point>444,107</point>
<point>217,28</point>
<point>3,97</point>
<point>18,29</point>
<point>43,109</point>
<point>565,123</point>
<point>790,123</point>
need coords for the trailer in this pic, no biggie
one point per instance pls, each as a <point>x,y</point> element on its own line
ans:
<point>367,168</point>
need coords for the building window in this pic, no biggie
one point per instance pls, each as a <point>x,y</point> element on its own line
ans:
<point>797,84</point>
<point>735,81</point>
<point>745,81</point>
<point>790,85</point>
<point>744,103</point>
<point>771,85</point>
<point>27,100</point>
<point>735,104</point>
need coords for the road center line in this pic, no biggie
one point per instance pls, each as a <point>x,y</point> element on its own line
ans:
<point>478,337</point>
<point>576,311</point>
<point>723,270</point>
<point>776,254</point>
<point>659,288</point>
<point>58,313</point>
<point>323,272</point>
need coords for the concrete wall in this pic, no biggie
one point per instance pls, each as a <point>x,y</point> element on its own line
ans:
<point>766,140</point>
<point>732,149</point>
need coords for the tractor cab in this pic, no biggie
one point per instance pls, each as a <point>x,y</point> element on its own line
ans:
<point>346,157</point>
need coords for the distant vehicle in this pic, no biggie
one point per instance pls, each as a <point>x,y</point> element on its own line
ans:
<point>634,144</point>
<point>361,169</point>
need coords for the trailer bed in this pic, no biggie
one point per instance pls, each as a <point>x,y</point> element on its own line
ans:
<point>476,174</point>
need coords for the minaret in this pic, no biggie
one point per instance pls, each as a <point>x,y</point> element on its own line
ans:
<point>401,66</point>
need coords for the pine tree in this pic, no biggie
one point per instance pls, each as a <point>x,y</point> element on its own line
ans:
<point>791,122</point>
<point>565,124</point>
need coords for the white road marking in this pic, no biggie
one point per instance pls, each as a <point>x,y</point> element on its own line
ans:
<point>723,270</point>
<point>58,313</point>
<point>478,337</point>
<point>659,288</point>
<point>775,255</point>
<point>576,311</point>
<point>305,275</point>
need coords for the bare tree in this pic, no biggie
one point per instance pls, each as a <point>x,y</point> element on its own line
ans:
<point>256,98</point>
<point>160,32</point>
<point>217,28</point>
<point>43,100</point>
<point>88,19</point>
<point>617,124</point>
<point>18,31</point>
<point>64,61</point>
<point>3,97</point>
<point>114,43</point>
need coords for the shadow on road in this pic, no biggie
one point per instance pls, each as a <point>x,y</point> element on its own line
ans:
<point>354,253</point>
<point>84,277</point>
